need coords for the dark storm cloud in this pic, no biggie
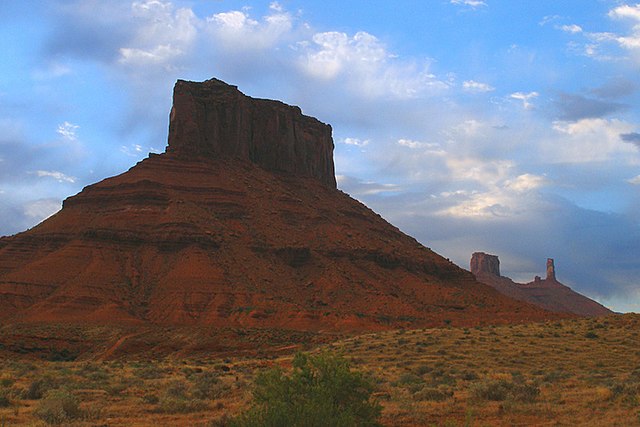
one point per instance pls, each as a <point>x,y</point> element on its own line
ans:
<point>633,138</point>
<point>615,88</point>
<point>576,107</point>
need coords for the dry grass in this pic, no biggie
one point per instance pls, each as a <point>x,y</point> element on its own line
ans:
<point>579,372</point>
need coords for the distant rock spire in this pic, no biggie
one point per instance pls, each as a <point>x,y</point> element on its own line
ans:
<point>551,270</point>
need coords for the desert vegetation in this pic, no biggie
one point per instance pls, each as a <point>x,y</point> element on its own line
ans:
<point>572,372</point>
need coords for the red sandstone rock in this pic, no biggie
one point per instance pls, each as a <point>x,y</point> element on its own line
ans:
<point>239,224</point>
<point>551,269</point>
<point>213,119</point>
<point>546,293</point>
<point>481,262</point>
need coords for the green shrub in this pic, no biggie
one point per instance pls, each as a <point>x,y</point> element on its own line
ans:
<point>179,405</point>
<point>207,385</point>
<point>524,392</point>
<point>58,407</point>
<point>409,379</point>
<point>496,390</point>
<point>4,397</point>
<point>37,388</point>
<point>628,392</point>
<point>433,394</point>
<point>176,388</point>
<point>423,369</point>
<point>150,398</point>
<point>176,399</point>
<point>64,355</point>
<point>321,391</point>
<point>499,390</point>
<point>555,376</point>
<point>150,372</point>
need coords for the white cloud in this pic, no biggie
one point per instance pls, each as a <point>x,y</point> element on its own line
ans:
<point>473,86</point>
<point>485,205</point>
<point>635,180</point>
<point>52,71</point>
<point>234,21</point>
<point>599,45</point>
<point>356,141</point>
<point>67,131</point>
<point>588,140</point>
<point>525,98</point>
<point>549,18</point>
<point>365,188</point>
<point>478,170</point>
<point>236,30</point>
<point>573,28</point>
<point>276,6</point>
<point>410,143</point>
<point>58,176</point>
<point>626,11</point>
<point>504,198</point>
<point>163,34</point>
<point>526,182</point>
<point>471,128</point>
<point>471,3</point>
<point>42,209</point>
<point>134,150</point>
<point>364,63</point>
<point>484,189</point>
<point>157,55</point>
<point>336,50</point>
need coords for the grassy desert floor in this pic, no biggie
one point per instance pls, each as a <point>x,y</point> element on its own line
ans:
<point>573,372</point>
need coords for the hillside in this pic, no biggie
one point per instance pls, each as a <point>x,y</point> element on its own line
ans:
<point>239,224</point>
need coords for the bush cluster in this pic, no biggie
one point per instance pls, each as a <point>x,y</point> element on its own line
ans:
<point>321,391</point>
<point>499,390</point>
<point>58,407</point>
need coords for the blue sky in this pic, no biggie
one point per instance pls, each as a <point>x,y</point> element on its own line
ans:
<point>499,126</point>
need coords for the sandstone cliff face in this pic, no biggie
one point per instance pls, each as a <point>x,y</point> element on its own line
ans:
<point>485,263</point>
<point>237,225</point>
<point>547,293</point>
<point>213,119</point>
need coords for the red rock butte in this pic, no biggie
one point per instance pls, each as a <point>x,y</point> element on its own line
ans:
<point>214,119</point>
<point>547,293</point>
<point>238,224</point>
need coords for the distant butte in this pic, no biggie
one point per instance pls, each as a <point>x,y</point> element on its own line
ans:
<point>547,293</point>
<point>239,224</point>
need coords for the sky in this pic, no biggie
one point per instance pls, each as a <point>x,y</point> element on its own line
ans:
<point>511,128</point>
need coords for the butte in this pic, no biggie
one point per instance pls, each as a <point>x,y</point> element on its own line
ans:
<point>238,224</point>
